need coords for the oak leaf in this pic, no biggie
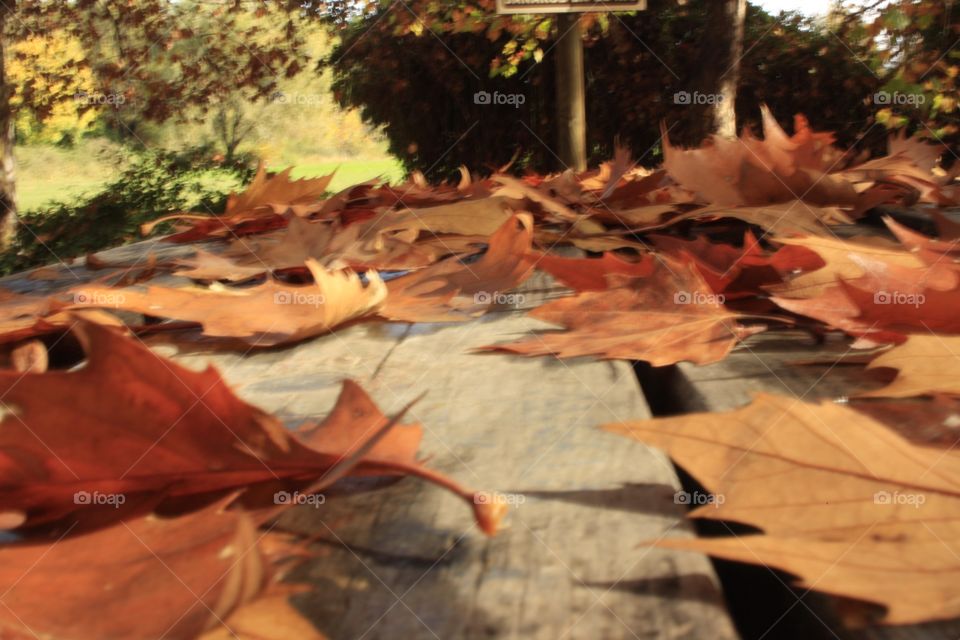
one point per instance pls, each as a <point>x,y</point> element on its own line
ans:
<point>148,429</point>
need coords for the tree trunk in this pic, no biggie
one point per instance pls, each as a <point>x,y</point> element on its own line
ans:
<point>724,111</point>
<point>8,194</point>
<point>706,105</point>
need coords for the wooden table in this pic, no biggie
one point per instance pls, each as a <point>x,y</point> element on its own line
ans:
<point>406,561</point>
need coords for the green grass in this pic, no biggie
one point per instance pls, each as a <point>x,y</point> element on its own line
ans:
<point>350,172</point>
<point>46,174</point>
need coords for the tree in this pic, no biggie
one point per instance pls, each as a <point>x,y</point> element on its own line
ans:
<point>415,72</point>
<point>8,182</point>
<point>152,60</point>
<point>733,23</point>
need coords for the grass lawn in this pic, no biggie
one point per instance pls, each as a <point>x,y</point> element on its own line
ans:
<point>46,174</point>
<point>350,172</point>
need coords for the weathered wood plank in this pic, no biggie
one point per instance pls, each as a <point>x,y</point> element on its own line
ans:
<point>406,561</point>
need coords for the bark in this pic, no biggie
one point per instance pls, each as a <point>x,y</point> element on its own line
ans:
<point>724,112</point>
<point>8,194</point>
<point>707,103</point>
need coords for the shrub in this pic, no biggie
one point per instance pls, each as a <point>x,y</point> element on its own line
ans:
<point>155,184</point>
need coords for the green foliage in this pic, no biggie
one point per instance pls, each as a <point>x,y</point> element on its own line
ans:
<point>158,60</point>
<point>155,184</point>
<point>915,56</point>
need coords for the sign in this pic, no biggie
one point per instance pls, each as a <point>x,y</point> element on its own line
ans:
<point>568,6</point>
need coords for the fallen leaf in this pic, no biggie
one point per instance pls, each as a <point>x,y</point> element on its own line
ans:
<point>268,314</point>
<point>150,577</point>
<point>669,317</point>
<point>590,274</point>
<point>453,290</point>
<point>927,364</point>
<point>265,198</point>
<point>165,432</point>
<point>845,504</point>
<point>268,618</point>
<point>748,171</point>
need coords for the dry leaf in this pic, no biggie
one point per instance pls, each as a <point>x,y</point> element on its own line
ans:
<point>845,503</point>
<point>147,578</point>
<point>162,431</point>
<point>927,364</point>
<point>448,290</point>
<point>268,314</point>
<point>669,317</point>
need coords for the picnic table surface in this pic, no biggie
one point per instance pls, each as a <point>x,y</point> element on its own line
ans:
<point>403,559</point>
<point>406,560</point>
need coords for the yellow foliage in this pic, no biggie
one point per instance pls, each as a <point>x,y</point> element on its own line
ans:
<point>53,64</point>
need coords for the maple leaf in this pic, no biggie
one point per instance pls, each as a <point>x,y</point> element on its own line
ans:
<point>24,317</point>
<point>784,218</point>
<point>589,274</point>
<point>164,432</point>
<point>262,202</point>
<point>845,504</point>
<point>739,271</point>
<point>268,314</point>
<point>871,262</point>
<point>149,577</point>
<point>749,171</point>
<point>467,217</point>
<point>266,618</point>
<point>928,364</point>
<point>451,289</point>
<point>669,317</point>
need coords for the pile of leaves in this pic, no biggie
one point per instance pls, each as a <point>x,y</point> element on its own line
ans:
<point>675,264</point>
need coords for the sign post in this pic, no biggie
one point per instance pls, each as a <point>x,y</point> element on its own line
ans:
<point>571,92</point>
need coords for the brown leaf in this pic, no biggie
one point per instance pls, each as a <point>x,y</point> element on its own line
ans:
<point>590,274</point>
<point>670,317</point>
<point>928,364</point>
<point>450,290</point>
<point>265,197</point>
<point>265,315</point>
<point>147,429</point>
<point>748,171</point>
<point>269,618</point>
<point>846,504</point>
<point>147,578</point>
